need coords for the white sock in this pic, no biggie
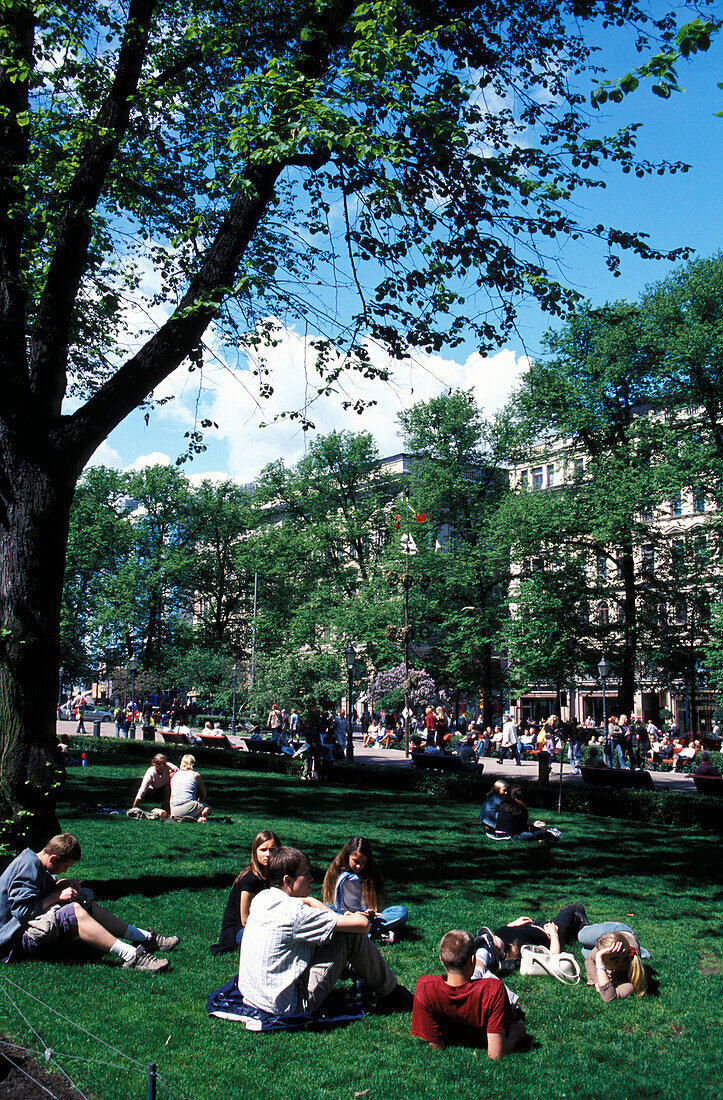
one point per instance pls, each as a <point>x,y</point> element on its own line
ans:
<point>136,935</point>
<point>123,951</point>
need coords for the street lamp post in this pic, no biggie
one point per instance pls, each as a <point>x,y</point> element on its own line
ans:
<point>233,710</point>
<point>60,687</point>
<point>350,655</point>
<point>133,668</point>
<point>603,669</point>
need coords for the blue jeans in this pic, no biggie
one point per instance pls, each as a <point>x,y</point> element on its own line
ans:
<point>574,751</point>
<point>591,933</point>
<point>391,918</point>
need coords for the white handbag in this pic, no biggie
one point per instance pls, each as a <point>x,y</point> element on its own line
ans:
<point>540,960</point>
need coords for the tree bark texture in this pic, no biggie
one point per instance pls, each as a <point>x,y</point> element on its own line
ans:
<point>35,499</point>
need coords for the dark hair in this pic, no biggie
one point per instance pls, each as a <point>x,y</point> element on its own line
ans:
<point>63,846</point>
<point>373,892</point>
<point>283,862</point>
<point>456,949</point>
<point>159,758</point>
<point>254,865</point>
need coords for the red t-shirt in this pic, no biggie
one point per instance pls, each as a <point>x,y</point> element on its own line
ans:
<point>459,1014</point>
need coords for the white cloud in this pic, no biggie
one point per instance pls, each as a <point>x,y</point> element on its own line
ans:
<point>106,455</point>
<point>155,458</point>
<point>231,400</point>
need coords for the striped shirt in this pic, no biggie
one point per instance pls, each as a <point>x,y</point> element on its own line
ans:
<point>278,946</point>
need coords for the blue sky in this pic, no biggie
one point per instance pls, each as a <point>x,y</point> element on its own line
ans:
<point>683,209</point>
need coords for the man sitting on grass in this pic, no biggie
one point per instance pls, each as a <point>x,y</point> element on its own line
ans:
<point>295,948</point>
<point>455,1009</point>
<point>40,912</point>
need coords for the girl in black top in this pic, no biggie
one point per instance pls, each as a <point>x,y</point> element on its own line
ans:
<point>245,888</point>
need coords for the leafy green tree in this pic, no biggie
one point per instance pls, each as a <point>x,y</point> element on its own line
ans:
<point>590,395</point>
<point>206,145</point>
<point>458,483</point>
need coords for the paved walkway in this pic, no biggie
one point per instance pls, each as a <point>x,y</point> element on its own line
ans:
<point>395,758</point>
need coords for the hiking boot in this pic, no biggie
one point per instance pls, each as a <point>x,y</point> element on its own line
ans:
<point>144,961</point>
<point>399,1000</point>
<point>156,942</point>
<point>387,937</point>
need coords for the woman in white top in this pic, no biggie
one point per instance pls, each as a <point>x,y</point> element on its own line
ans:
<point>187,788</point>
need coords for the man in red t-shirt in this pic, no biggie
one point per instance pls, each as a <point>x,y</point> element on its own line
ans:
<point>455,1009</point>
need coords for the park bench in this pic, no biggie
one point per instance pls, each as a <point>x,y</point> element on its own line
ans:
<point>261,744</point>
<point>709,784</point>
<point>217,741</point>
<point>432,761</point>
<point>172,738</point>
<point>619,778</point>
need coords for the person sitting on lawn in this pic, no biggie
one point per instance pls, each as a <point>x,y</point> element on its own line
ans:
<point>41,913</point>
<point>353,883</point>
<point>456,1009</point>
<point>491,805</point>
<point>295,948</point>
<point>245,887</point>
<point>187,790</point>
<point>156,783</point>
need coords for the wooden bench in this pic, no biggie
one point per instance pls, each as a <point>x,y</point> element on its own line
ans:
<point>619,778</point>
<point>437,762</point>
<point>709,784</point>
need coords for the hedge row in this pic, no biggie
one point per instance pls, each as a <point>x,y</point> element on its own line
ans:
<point>652,807</point>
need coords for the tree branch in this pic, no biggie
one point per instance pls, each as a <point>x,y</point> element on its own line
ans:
<point>19,30</point>
<point>49,343</point>
<point>170,345</point>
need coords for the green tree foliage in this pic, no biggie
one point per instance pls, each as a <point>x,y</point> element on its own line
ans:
<point>458,483</point>
<point>591,395</point>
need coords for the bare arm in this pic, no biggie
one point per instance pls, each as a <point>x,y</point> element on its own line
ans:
<point>244,906</point>
<point>496,1046</point>
<point>554,934</point>
<point>353,922</point>
<point>201,786</point>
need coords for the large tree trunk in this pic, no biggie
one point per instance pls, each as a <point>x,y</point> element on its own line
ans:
<point>35,501</point>
<point>628,657</point>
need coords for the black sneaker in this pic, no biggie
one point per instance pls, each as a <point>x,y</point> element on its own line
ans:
<point>399,1000</point>
<point>157,942</point>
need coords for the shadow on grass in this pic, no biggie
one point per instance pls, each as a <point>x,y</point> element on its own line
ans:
<point>605,852</point>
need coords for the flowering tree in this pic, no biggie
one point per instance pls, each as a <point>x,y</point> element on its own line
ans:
<point>387,687</point>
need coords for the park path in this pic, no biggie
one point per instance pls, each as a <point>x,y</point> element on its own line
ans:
<point>395,758</point>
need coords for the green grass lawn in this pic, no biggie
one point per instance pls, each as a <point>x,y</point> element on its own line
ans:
<point>175,878</point>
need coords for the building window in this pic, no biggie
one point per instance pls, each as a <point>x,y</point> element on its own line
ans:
<point>677,555</point>
<point>681,613</point>
<point>676,505</point>
<point>536,479</point>
<point>621,614</point>
<point>584,613</point>
<point>579,468</point>
<point>648,559</point>
<point>550,476</point>
<point>603,616</point>
<point>523,480</point>
<point>601,563</point>
<point>699,501</point>
<point>647,512</point>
